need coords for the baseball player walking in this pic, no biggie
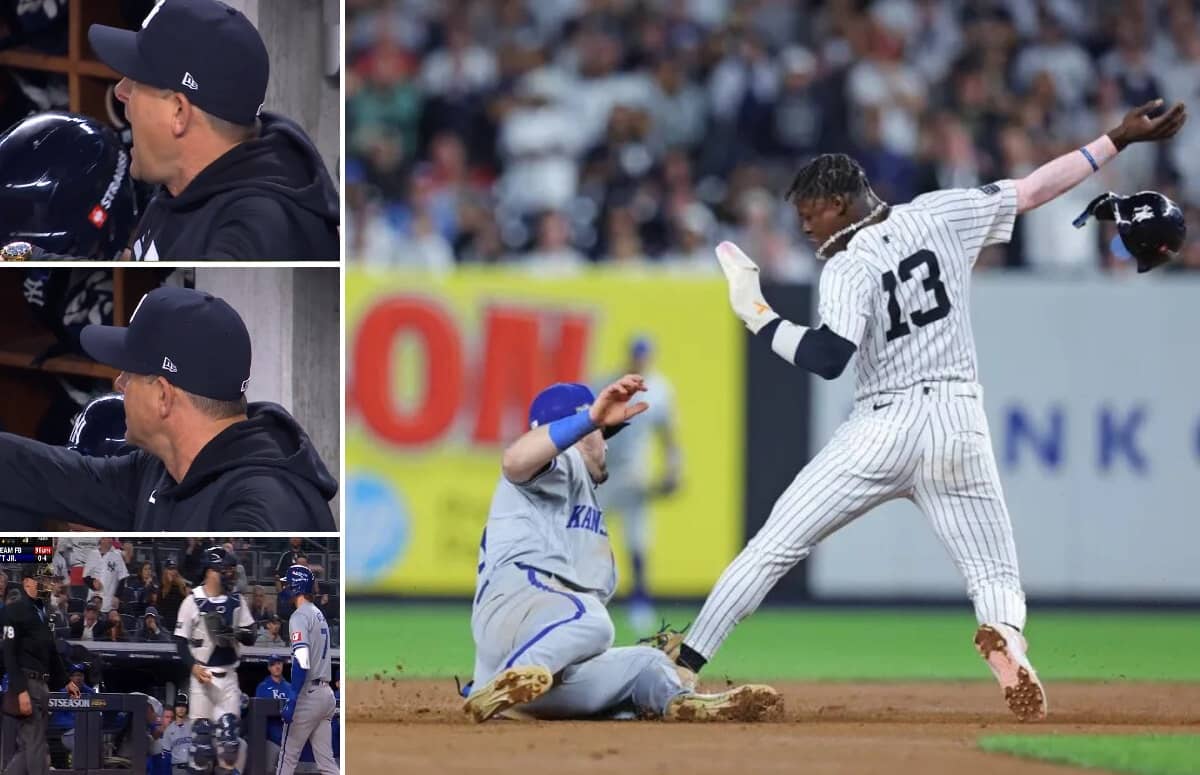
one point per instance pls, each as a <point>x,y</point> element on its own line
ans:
<point>213,621</point>
<point>542,633</point>
<point>307,717</point>
<point>895,290</point>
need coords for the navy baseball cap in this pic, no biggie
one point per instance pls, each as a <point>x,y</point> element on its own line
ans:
<point>564,399</point>
<point>201,48</point>
<point>191,338</point>
<point>274,658</point>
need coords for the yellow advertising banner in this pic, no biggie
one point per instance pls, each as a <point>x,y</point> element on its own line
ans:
<point>440,373</point>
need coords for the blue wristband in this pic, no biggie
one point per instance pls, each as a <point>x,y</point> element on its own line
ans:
<point>571,429</point>
<point>1091,160</point>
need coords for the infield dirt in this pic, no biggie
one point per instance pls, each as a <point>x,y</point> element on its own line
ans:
<point>417,726</point>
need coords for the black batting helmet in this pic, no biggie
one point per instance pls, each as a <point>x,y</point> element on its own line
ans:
<point>223,562</point>
<point>1150,227</point>
<point>65,186</point>
<point>99,429</point>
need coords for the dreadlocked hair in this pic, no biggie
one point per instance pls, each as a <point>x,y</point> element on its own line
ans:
<point>827,175</point>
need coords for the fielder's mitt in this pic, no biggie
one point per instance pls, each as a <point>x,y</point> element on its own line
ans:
<point>666,640</point>
<point>218,629</point>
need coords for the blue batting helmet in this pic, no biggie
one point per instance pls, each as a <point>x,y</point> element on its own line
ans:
<point>100,428</point>
<point>563,399</point>
<point>299,580</point>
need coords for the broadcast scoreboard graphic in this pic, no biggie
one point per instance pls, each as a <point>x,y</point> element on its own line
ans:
<point>26,550</point>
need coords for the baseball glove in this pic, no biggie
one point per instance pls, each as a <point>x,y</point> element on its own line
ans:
<point>666,640</point>
<point>219,630</point>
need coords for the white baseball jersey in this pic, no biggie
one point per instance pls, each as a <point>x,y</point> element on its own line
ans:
<point>109,569</point>
<point>918,429</point>
<point>900,289</point>
<point>191,626</point>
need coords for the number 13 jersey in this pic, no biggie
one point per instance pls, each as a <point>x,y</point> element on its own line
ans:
<point>900,289</point>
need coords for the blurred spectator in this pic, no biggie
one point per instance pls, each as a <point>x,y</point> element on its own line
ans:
<point>269,634</point>
<point>258,604</point>
<point>151,630</point>
<point>553,253</point>
<point>138,590</point>
<point>116,627</point>
<point>172,592</point>
<point>89,626</point>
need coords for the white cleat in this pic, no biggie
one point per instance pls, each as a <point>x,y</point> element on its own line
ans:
<point>1003,648</point>
<point>514,686</point>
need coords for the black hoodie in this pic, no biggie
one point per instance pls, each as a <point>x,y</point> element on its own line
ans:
<point>261,474</point>
<point>269,198</point>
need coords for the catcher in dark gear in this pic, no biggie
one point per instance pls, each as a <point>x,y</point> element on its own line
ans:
<point>1150,227</point>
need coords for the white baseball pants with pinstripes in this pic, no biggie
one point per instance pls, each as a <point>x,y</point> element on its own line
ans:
<point>930,444</point>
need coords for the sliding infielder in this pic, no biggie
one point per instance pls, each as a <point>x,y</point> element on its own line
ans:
<point>543,638</point>
<point>307,718</point>
<point>896,292</point>
<point>212,623</point>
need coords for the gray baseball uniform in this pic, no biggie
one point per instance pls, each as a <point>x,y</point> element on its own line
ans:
<point>545,572</point>
<point>177,738</point>
<point>314,703</point>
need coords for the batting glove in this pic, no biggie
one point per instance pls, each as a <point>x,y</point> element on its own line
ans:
<point>745,295</point>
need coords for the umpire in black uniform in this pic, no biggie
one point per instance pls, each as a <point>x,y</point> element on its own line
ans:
<point>34,665</point>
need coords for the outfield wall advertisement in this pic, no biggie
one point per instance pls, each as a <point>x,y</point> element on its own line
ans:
<point>440,374</point>
<point>1091,389</point>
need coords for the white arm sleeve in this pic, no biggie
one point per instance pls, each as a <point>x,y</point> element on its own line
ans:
<point>187,618</point>
<point>300,656</point>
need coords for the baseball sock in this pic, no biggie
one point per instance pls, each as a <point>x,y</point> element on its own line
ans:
<point>691,659</point>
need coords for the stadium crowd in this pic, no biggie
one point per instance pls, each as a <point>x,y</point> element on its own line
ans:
<point>130,591</point>
<point>556,133</point>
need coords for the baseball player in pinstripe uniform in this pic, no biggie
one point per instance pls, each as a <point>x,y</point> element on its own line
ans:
<point>895,290</point>
<point>543,637</point>
<point>307,717</point>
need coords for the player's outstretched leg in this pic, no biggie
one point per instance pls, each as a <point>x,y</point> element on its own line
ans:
<point>959,491</point>
<point>1003,648</point>
<point>513,686</point>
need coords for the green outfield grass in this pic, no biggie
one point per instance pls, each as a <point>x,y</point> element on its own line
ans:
<point>434,641</point>
<point>1141,754</point>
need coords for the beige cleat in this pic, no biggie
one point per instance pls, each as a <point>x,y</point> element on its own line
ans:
<point>753,702</point>
<point>514,686</point>
<point>1003,648</point>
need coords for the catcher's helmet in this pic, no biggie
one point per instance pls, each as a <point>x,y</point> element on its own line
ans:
<point>299,580</point>
<point>1150,227</point>
<point>65,186</point>
<point>100,428</point>
<point>563,399</point>
<point>223,562</point>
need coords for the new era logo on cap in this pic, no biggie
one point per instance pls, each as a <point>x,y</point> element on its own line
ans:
<point>190,82</point>
<point>169,365</point>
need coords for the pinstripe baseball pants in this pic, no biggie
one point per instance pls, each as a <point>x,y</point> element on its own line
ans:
<point>930,444</point>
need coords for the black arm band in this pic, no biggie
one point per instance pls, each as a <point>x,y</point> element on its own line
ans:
<point>820,351</point>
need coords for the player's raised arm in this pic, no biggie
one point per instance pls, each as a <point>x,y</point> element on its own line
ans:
<point>529,455</point>
<point>1060,175</point>
<point>824,351</point>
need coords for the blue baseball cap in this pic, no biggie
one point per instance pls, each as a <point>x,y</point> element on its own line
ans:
<point>563,399</point>
<point>191,338</point>
<point>274,658</point>
<point>202,48</point>
<point>641,347</point>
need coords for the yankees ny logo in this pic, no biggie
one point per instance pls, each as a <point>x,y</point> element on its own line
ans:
<point>1142,213</point>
